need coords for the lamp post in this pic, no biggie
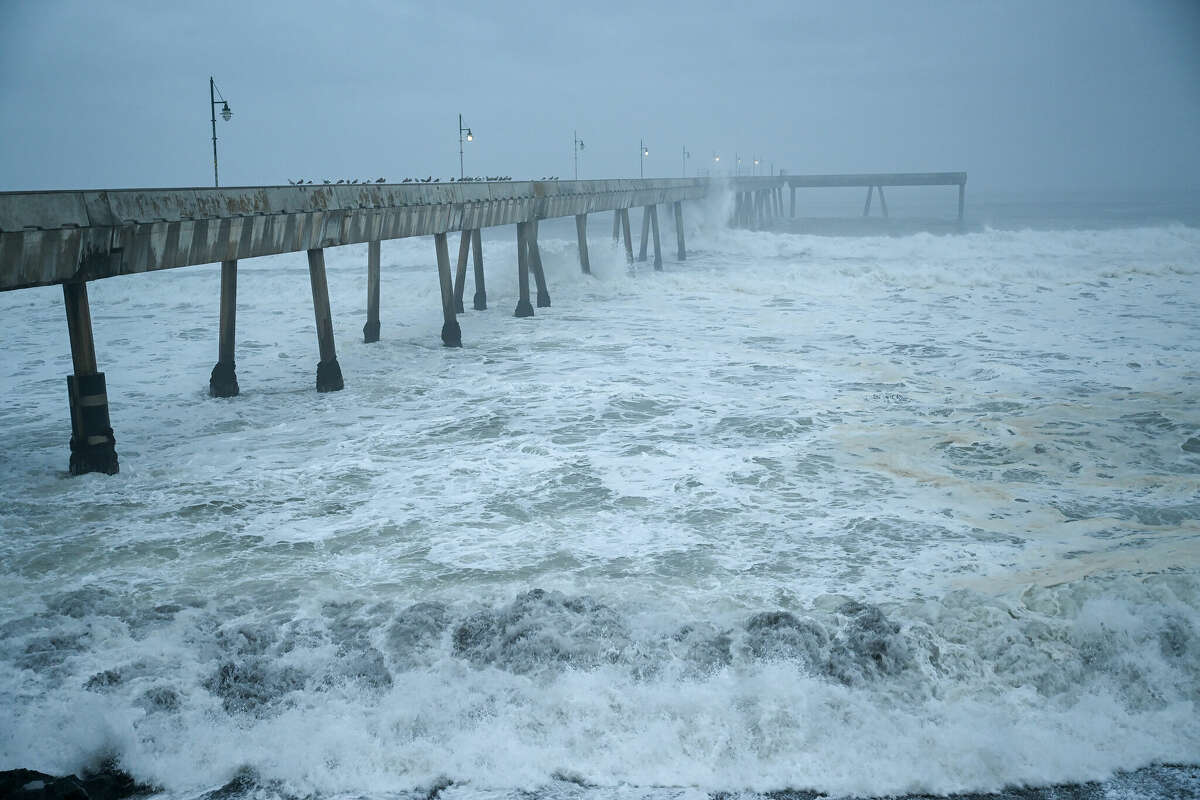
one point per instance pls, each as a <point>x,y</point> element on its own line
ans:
<point>756,166</point>
<point>470,138</point>
<point>577,147</point>
<point>642,153</point>
<point>737,164</point>
<point>686,156</point>
<point>213,94</point>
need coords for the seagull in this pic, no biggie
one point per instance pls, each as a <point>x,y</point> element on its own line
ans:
<point>340,180</point>
<point>381,180</point>
<point>407,180</point>
<point>327,181</point>
<point>428,180</point>
<point>310,182</point>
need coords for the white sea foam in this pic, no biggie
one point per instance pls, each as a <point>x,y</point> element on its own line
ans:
<point>980,437</point>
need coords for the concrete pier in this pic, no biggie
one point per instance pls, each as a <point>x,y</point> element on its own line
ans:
<point>73,237</point>
<point>585,264</point>
<point>460,270</point>
<point>223,380</point>
<point>371,328</point>
<point>477,253</point>
<point>535,264</point>
<point>451,332</point>
<point>93,446</point>
<point>329,372</point>
<point>524,307</point>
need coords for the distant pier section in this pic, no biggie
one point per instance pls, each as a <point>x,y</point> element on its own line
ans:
<point>73,237</point>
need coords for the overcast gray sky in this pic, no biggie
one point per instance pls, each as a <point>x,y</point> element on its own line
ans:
<point>1040,97</point>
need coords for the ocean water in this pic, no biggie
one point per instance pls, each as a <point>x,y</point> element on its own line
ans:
<point>855,514</point>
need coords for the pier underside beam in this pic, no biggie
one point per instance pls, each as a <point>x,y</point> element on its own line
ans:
<point>371,327</point>
<point>223,380</point>
<point>524,307</point>
<point>882,202</point>
<point>93,446</point>
<point>329,372</point>
<point>451,332</point>
<point>581,234</point>
<point>867,206</point>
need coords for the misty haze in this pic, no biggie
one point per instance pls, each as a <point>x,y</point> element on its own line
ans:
<point>661,401</point>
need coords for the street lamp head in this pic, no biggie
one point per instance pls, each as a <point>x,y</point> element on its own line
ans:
<point>581,144</point>
<point>470,136</point>
<point>225,112</point>
<point>645,151</point>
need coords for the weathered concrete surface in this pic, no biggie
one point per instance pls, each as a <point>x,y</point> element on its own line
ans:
<point>52,237</point>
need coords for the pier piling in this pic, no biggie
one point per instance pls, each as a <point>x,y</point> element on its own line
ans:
<point>658,264</point>
<point>477,253</point>
<point>329,372</point>
<point>581,233</point>
<point>645,233</point>
<point>371,328</point>
<point>223,380</point>
<point>535,263</point>
<point>460,270</point>
<point>628,235</point>
<point>682,252</point>
<point>451,332</point>
<point>93,446</point>
<point>524,307</point>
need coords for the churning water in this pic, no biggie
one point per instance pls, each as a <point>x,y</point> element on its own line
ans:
<point>852,514</point>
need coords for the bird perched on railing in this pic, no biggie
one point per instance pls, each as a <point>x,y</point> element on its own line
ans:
<point>381,180</point>
<point>407,180</point>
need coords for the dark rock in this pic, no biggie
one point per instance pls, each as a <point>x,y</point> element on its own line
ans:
<point>1192,445</point>
<point>779,635</point>
<point>109,783</point>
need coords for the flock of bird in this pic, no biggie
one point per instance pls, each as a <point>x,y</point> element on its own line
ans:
<point>430,179</point>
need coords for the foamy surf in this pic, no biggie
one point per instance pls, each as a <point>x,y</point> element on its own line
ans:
<point>860,516</point>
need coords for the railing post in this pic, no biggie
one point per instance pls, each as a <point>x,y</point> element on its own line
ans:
<point>93,446</point>
<point>223,380</point>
